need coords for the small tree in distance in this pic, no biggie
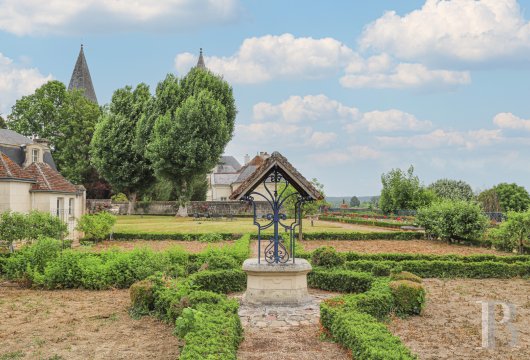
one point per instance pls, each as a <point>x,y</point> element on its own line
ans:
<point>355,202</point>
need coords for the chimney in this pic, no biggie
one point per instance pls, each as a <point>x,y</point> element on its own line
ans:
<point>43,142</point>
<point>246,159</point>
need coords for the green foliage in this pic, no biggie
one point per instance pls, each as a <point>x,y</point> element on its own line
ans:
<point>96,226</point>
<point>381,269</point>
<point>211,237</point>
<point>384,224</point>
<point>405,275</point>
<point>114,150</point>
<point>403,191</point>
<point>22,264</point>
<point>326,256</point>
<point>409,297</point>
<point>514,232</point>
<point>119,197</point>
<point>67,119</point>
<point>489,200</point>
<point>398,235</point>
<point>452,189</point>
<point>222,262</point>
<point>339,280</point>
<point>174,236</point>
<point>3,124</point>
<point>309,208</point>
<point>512,197</point>
<point>142,297</point>
<point>17,226</point>
<point>355,202</point>
<point>453,220</point>
<point>219,281</point>
<point>350,256</point>
<point>12,226</point>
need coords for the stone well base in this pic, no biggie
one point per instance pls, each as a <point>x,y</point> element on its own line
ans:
<point>278,284</point>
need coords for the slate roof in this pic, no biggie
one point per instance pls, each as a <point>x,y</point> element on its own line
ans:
<point>81,78</point>
<point>48,179</point>
<point>278,161</point>
<point>230,161</point>
<point>200,62</point>
<point>225,179</point>
<point>11,171</point>
<point>10,137</point>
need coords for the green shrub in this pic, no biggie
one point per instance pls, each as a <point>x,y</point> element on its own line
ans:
<point>119,197</point>
<point>142,297</point>
<point>381,269</point>
<point>13,227</point>
<point>220,281</point>
<point>96,226</point>
<point>222,262</point>
<point>170,236</point>
<point>453,220</point>
<point>211,237</point>
<point>513,233</point>
<point>405,275</point>
<point>63,272</point>
<point>371,222</point>
<point>390,235</point>
<point>326,256</point>
<point>409,297</point>
<point>42,224</point>
<point>339,280</point>
<point>430,257</point>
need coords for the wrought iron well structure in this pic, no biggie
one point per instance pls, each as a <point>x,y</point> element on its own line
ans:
<point>276,174</point>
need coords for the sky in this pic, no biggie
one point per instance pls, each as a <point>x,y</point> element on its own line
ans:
<point>346,90</point>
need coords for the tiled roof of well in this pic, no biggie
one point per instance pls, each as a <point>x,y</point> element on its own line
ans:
<point>48,179</point>
<point>10,170</point>
<point>300,183</point>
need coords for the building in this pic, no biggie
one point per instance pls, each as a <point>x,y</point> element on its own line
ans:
<point>29,180</point>
<point>81,77</point>
<point>229,174</point>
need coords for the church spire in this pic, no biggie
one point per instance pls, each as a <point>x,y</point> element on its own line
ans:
<point>200,63</point>
<point>81,77</point>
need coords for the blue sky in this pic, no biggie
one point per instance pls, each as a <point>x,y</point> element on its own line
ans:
<point>346,90</point>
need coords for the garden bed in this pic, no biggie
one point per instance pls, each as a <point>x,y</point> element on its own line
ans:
<point>399,246</point>
<point>78,324</point>
<point>189,246</point>
<point>450,326</point>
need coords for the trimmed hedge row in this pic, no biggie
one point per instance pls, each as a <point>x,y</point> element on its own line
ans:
<point>339,280</point>
<point>207,321</point>
<point>352,320</point>
<point>377,223</point>
<point>174,236</point>
<point>449,269</point>
<point>430,257</point>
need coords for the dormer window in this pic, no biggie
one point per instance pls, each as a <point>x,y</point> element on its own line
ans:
<point>35,155</point>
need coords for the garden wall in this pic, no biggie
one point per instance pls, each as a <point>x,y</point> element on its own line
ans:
<point>170,207</point>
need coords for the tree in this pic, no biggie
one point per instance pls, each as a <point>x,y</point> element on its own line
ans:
<point>403,191</point>
<point>67,119</point>
<point>514,232</point>
<point>512,197</point>
<point>114,150</point>
<point>355,202</point>
<point>453,220</point>
<point>489,201</point>
<point>186,143</point>
<point>452,189</point>
<point>3,124</point>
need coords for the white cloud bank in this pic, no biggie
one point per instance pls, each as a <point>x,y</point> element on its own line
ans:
<point>16,81</point>
<point>273,57</point>
<point>510,121</point>
<point>463,30</point>
<point>65,17</point>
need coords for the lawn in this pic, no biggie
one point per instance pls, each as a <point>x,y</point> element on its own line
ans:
<point>170,224</point>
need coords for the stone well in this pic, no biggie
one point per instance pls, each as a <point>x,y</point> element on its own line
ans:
<point>276,284</point>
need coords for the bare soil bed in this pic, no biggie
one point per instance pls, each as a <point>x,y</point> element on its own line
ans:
<point>450,327</point>
<point>78,324</point>
<point>158,245</point>
<point>399,246</point>
<point>293,343</point>
<point>354,227</point>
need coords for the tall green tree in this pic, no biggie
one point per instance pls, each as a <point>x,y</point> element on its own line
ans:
<point>114,149</point>
<point>3,124</point>
<point>512,197</point>
<point>513,233</point>
<point>489,200</point>
<point>403,191</point>
<point>67,119</point>
<point>187,143</point>
<point>355,202</point>
<point>452,189</point>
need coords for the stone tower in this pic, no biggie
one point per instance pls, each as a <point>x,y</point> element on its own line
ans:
<point>81,78</point>
<point>200,62</point>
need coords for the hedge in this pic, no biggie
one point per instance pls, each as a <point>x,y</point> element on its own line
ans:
<point>449,269</point>
<point>173,236</point>
<point>377,223</point>
<point>339,280</point>
<point>220,281</point>
<point>430,257</point>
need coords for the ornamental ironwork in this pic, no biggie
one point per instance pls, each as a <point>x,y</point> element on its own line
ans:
<point>278,248</point>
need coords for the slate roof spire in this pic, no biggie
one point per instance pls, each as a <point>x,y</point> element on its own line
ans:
<point>200,62</point>
<point>81,77</point>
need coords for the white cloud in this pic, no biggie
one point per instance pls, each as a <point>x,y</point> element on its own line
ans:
<point>263,58</point>
<point>298,108</point>
<point>350,154</point>
<point>510,121</point>
<point>462,30</point>
<point>320,139</point>
<point>389,120</point>
<point>30,17</point>
<point>406,75</point>
<point>16,81</point>
<point>441,138</point>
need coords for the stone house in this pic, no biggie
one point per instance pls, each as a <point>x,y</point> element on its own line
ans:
<point>229,174</point>
<point>29,180</point>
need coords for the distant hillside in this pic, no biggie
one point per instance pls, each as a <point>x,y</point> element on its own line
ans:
<point>337,200</point>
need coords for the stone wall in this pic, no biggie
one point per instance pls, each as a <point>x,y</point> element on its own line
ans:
<point>170,207</point>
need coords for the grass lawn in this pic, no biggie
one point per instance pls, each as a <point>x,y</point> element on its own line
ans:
<point>171,224</point>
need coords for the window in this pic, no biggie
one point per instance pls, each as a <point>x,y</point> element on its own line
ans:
<point>60,207</point>
<point>223,198</point>
<point>71,206</point>
<point>35,155</point>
